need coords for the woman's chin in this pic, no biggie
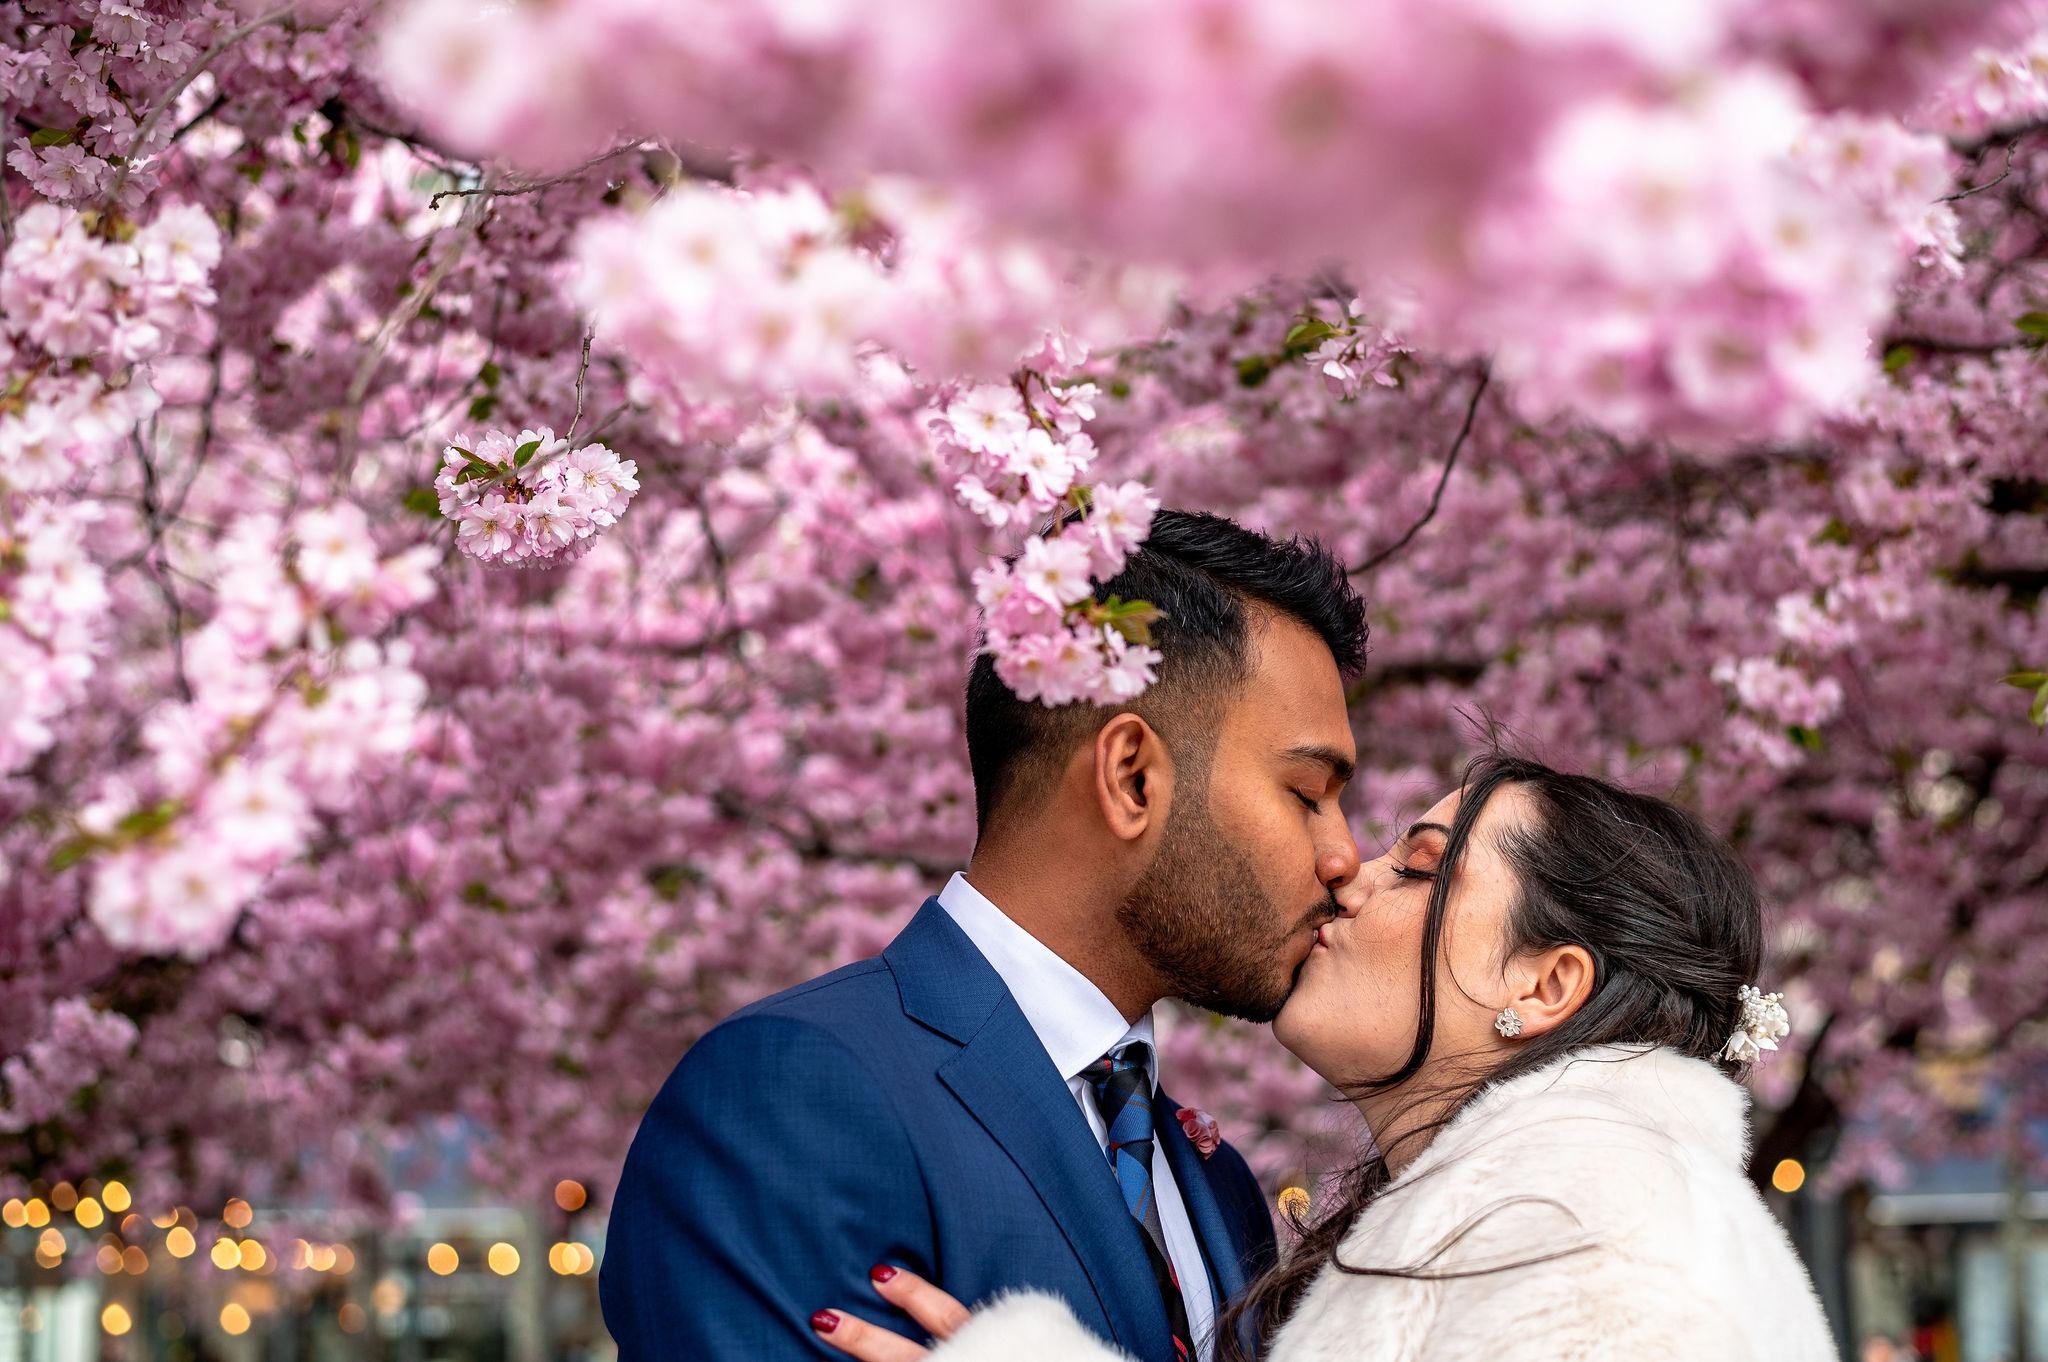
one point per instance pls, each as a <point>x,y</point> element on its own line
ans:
<point>1290,1024</point>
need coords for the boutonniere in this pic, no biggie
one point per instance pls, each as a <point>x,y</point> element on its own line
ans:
<point>1200,1128</point>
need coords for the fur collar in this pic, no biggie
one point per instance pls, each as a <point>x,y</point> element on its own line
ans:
<point>1689,1101</point>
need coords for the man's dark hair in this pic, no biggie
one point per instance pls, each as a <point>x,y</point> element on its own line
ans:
<point>1207,575</point>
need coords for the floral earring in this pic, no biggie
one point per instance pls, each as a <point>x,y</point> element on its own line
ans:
<point>1508,1023</point>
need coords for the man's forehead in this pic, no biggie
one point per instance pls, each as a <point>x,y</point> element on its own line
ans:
<point>1294,698</point>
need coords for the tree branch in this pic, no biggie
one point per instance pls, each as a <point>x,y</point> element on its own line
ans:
<point>1436,498</point>
<point>2011,147</point>
<point>1998,137</point>
<point>535,186</point>
<point>409,307</point>
<point>582,372</point>
<point>138,148</point>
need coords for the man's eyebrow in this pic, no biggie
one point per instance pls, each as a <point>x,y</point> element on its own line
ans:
<point>1340,765</point>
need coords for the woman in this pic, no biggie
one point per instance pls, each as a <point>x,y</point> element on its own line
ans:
<point>1559,1138</point>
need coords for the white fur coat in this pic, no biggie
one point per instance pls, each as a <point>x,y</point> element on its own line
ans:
<point>1632,1152</point>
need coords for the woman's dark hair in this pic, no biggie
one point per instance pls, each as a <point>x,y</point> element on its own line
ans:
<point>1671,918</point>
<point>1207,576</point>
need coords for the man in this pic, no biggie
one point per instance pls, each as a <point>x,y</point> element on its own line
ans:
<point>981,1103</point>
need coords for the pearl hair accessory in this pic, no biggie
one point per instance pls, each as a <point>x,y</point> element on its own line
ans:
<point>1508,1023</point>
<point>1764,1022</point>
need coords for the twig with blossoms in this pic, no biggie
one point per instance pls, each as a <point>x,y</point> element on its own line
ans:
<point>533,499</point>
<point>1052,640</point>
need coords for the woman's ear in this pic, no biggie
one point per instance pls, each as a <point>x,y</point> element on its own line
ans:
<point>1553,986</point>
<point>1133,777</point>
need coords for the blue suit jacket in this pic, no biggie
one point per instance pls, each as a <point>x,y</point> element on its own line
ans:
<point>898,1110</point>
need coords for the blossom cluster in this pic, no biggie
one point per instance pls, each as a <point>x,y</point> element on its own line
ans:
<point>280,726</point>
<point>1718,289</point>
<point>1255,139</point>
<point>530,499</point>
<point>772,291</point>
<point>81,312</point>
<point>1023,456</point>
<point>2000,87</point>
<point>53,596</point>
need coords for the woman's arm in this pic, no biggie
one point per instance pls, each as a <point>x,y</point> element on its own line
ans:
<point>1024,1326</point>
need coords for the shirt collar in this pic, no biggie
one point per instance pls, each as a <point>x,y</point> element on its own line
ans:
<point>1075,1021</point>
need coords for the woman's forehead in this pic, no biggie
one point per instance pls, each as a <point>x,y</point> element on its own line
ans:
<point>1505,807</point>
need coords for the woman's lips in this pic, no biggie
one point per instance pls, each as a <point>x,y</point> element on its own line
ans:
<point>1321,944</point>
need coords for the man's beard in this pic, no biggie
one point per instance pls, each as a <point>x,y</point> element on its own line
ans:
<point>1202,918</point>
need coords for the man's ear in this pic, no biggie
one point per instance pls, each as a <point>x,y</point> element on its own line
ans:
<point>1553,986</point>
<point>1132,777</point>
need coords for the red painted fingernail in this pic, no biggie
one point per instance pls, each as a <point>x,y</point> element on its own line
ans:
<point>825,1321</point>
<point>882,1272</point>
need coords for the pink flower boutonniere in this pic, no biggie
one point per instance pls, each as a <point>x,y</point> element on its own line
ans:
<point>1201,1129</point>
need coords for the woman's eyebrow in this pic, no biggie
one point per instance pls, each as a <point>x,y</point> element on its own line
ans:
<point>1409,835</point>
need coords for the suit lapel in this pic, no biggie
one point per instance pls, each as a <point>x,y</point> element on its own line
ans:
<point>1003,1076</point>
<point>1222,1239</point>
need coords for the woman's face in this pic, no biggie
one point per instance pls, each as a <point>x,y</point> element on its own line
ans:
<point>1353,1016</point>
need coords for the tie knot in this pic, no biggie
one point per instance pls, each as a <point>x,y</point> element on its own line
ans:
<point>1121,1084</point>
<point>1131,1057</point>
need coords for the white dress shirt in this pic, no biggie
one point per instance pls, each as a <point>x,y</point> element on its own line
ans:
<point>1078,1025</point>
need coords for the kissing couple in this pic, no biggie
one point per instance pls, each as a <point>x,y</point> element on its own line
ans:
<point>1539,998</point>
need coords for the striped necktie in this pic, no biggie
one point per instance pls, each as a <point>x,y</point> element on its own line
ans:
<point>1122,1087</point>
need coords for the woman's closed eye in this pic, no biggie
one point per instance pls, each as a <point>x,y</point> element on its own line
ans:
<point>1415,861</point>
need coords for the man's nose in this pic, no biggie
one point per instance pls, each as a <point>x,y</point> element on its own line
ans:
<point>1337,863</point>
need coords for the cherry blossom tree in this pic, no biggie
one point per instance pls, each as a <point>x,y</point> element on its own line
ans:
<point>375,755</point>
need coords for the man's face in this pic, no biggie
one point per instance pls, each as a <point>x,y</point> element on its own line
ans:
<point>1250,854</point>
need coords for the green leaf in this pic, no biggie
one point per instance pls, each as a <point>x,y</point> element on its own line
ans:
<point>68,855</point>
<point>2033,324</point>
<point>480,408</point>
<point>2026,680</point>
<point>1898,357</point>
<point>1834,532</point>
<point>524,454</point>
<point>490,374</point>
<point>1808,738</point>
<point>476,468</point>
<point>52,137</point>
<point>1253,370</point>
<point>422,501</point>
<point>2037,713</point>
<point>143,822</point>
<point>1307,334</point>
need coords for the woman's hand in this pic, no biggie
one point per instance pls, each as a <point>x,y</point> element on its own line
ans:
<point>939,1313</point>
